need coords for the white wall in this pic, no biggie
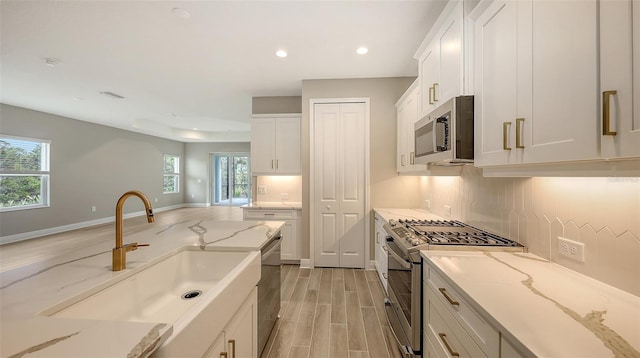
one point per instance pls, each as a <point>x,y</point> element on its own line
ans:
<point>603,213</point>
<point>91,165</point>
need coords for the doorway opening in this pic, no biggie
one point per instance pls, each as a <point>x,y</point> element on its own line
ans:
<point>231,184</point>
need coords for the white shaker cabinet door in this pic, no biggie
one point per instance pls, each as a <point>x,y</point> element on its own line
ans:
<point>496,99</point>
<point>263,145</point>
<point>288,146</point>
<point>620,78</point>
<point>562,123</point>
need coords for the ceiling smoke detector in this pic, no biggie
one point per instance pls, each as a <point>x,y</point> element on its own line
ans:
<point>112,95</point>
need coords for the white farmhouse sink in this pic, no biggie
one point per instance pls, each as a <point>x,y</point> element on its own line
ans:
<point>154,293</point>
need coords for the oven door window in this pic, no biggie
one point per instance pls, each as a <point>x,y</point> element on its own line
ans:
<point>400,280</point>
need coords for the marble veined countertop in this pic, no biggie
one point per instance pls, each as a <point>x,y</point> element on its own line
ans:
<point>28,290</point>
<point>274,205</point>
<point>542,308</point>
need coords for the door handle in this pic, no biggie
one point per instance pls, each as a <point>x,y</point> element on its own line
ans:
<point>519,124</point>
<point>431,91</point>
<point>505,135</point>
<point>402,160</point>
<point>232,343</point>
<point>412,158</point>
<point>606,112</point>
<point>435,92</point>
<point>443,338</point>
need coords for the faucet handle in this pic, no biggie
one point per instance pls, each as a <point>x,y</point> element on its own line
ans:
<point>141,245</point>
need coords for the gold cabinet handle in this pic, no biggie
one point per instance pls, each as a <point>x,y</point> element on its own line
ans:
<point>223,355</point>
<point>505,135</point>
<point>232,343</point>
<point>271,163</point>
<point>435,92</point>
<point>519,124</point>
<point>277,163</point>
<point>443,338</point>
<point>606,112</point>
<point>431,94</point>
<point>402,160</point>
<point>385,276</point>
<point>453,302</point>
<point>377,238</point>
<point>412,158</point>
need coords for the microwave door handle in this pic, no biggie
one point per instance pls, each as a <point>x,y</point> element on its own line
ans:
<point>442,134</point>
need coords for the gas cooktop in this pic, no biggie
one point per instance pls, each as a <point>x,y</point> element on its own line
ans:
<point>446,234</point>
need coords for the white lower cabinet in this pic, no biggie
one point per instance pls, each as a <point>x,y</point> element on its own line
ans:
<point>381,262</point>
<point>290,245</point>
<point>239,339</point>
<point>452,327</point>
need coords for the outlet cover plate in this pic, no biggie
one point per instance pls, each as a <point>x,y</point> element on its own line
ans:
<point>571,249</point>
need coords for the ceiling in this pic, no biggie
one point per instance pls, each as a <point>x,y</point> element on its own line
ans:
<point>190,74</point>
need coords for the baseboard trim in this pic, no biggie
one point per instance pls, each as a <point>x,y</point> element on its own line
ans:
<point>196,205</point>
<point>305,263</point>
<point>372,265</point>
<point>80,225</point>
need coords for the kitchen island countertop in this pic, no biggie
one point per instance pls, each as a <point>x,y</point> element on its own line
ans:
<point>27,290</point>
<point>273,205</point>
<point>542,308</point>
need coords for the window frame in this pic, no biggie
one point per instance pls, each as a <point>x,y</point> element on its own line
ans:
<point>44,173</point>
<point>175,174</point>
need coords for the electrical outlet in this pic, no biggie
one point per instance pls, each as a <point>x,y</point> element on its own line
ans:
<point>284,196</point>
<point>447,211</point>
<point>262,189</point>
<point>571,249</point>
<point>427,204</point>
<point>93,209</point>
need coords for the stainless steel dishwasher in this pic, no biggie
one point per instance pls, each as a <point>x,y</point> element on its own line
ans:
<point>269,290</point>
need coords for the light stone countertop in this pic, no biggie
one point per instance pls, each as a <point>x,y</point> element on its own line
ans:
<point>273,205</point>
<point>28,290</point>
<point>542,308</point>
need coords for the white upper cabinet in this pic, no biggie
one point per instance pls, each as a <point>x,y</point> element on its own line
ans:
<point>407,115</point>
<point>540,70</point>
<point>440,60</point>
<point>275,145</point>
<point>619,58</point>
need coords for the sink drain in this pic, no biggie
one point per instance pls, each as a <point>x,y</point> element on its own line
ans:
<point>191,294</point>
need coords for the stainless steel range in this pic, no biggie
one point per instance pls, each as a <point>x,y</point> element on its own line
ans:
<point>407,238</point>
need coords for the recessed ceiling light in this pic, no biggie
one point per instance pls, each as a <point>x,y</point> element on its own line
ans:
<point>362,50</point>
<point>77,99</point>
<point>181,13</point>
<point>195,129</point>
<point>281,53</point>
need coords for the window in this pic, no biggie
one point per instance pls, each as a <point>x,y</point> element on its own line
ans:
<point>231,179</point>
<point>171,174</point>
<point>24,173</point>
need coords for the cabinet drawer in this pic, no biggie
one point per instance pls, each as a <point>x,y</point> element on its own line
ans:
<point>269,214</point>
<point>480,331</point>
<point>446,337</point>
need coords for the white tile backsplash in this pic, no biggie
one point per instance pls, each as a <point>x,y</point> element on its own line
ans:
<point>280,188</point>
<point>602,213</point>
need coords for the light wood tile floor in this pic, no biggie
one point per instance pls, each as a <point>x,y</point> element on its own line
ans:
<point>331,312</point>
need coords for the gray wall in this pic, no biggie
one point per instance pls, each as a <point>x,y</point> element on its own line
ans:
<point>198,168</point>
<point>91,165</point>
<point>387,188</point>
<point>276,105</point>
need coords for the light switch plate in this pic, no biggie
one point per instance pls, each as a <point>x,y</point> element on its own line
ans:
<point>571,249</point>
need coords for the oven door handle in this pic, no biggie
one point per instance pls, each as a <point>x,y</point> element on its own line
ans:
<point>404,263</point>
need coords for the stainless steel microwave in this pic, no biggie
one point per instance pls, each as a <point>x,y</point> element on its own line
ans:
<point>445,136</point>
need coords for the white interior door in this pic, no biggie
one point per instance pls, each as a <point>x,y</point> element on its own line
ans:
<point>339,184</point>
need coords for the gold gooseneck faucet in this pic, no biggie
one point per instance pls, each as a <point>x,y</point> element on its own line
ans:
<point>120,251</point>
